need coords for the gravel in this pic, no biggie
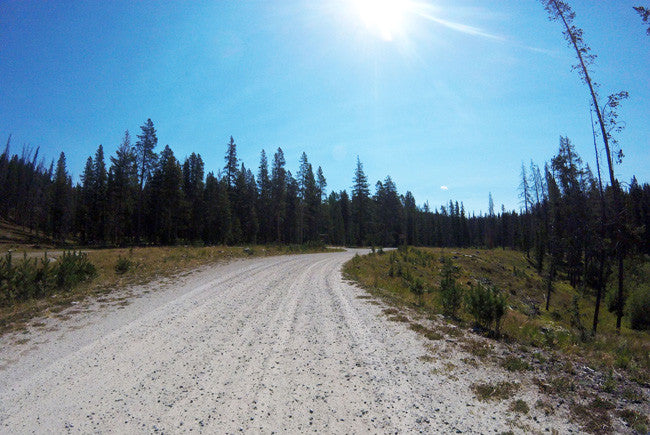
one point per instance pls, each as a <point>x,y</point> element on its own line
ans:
<point>258,345</point>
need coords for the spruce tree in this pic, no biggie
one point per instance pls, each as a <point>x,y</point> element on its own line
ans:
<point>84,217</point>
<point>193,169</point>
<point>61,201</point>
<point>99,207</point>
<point>360,206</point>
<point>232,163</point>
<point>146,161</point>
<point>278,193</point>
<point>166,197</point>
<point>123,192</point>
<point>264,202</point>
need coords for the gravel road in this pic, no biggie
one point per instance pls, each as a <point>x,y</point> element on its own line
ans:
<point>278,344</point>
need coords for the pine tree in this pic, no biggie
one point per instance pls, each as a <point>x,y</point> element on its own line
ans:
<point>346,212</point>
<point>146,161</point>
<point>84,217</point>
<point>360,206</point>
<point>278,192</point>
<point>99,207</point>
<point>321,182</point>
<point>122,192</point>
<point>304,168</point>
<point>645,15</point>
<point>61,201</point>
<point>311,209</point>
<point>217,227</point>
<point>264,203</point>
<point>336,228</point>
<point>607,120</point>
<point>193,169</point>
<point>389,213</point>
<point>166,197</point>
<point>232,163</point>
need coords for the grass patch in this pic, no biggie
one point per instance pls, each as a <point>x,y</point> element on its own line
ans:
<point>390,311</point>
<point>477,348</point>
<point>497,391</point>
<point>519,406</point>
<point>559,385</point>
<point>594,417</point>
<point>545,406</point>
<point>428,333</point>
<point>399,318</point>
<point>514,364</point>
<point>634,419</point>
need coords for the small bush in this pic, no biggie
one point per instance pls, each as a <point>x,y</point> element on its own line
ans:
<point>638,309</point>
<point>451,294</point>
<point>519,406</point>
<point>487,305</point>
<point>498,391</point>
<point>74,268</point>
<point>31,278</point>
<point>123,265</point>
<point>514,364</point>
<point>416,286</point>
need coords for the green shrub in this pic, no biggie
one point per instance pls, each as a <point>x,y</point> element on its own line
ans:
<point>638,309</point>
<point>31,278</point>
<point>451,294</point>
<point>416,286</point>
<point>123,265</point>
<point>73,268</point>
<point>487,305</point>
<point>519,406</point>
<point>514,364</point>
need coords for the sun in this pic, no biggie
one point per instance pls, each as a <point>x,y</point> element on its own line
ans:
<point>382,16</point>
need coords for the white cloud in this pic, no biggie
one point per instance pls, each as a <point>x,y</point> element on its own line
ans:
<point>444,188</point>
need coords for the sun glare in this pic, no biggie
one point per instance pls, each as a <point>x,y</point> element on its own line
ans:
<point>382,16</point>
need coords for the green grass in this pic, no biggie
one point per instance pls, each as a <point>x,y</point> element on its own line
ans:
<point>514,364</point>
<point>393,276</point>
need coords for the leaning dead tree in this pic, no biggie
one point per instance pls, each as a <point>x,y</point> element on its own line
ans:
<point>607,122</point>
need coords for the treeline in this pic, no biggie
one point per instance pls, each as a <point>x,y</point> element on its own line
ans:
<point>139,196</point>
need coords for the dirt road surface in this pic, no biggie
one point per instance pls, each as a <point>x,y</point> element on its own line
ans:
<point>279,344</point>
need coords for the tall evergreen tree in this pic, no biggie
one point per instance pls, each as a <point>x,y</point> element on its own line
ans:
<point>146,161</point>
<point>61,201</point>
<point>360,206</point>
<point>166,197</point>
<point>264,204</point>
<point>99,206</point>
<point>84,217</point>
<point>278,192</point>
<point>122,192</point>
<point>232,163</point>
<point>193,169</point>
<point>217,227</point>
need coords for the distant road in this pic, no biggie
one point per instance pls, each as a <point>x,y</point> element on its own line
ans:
<point>259,345</point>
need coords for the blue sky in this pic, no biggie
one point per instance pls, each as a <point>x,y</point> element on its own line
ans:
<point>458,96</point>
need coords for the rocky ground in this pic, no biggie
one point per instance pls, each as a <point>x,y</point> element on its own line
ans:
<point>277,344</point>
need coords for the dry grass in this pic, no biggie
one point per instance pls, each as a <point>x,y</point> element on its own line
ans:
<point>497,391</point>
<point>147,264</point>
